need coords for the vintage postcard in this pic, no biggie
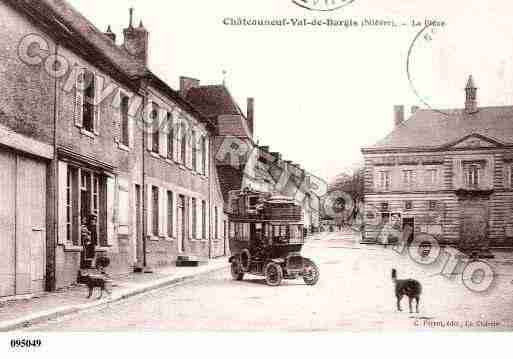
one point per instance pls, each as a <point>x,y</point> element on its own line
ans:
<point>255,166</point>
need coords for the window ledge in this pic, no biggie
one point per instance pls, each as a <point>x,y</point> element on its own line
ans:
<point>123,147</point>
<point>154,154</point>
<point>87,133</point>
<point>153,238</point>
<point>72,248</point>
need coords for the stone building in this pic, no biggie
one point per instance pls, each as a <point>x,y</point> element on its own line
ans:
<point>100,156</point>
<point>447,173</point>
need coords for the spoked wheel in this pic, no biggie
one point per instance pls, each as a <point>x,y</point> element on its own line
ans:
<point>273,274</point>
<point>310,272</point>
<point>236,269</point>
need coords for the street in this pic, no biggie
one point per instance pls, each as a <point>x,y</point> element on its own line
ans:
<point>355,293</point>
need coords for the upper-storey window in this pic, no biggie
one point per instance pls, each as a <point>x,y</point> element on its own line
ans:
<point>384,180</point>
<point>125,135</point>
<point>204,158</point>
<point>408,178</point>
<point>472,175</point>
<point>432,177</point>
<point>183,144</point>
<point>170,136</point>
<point>194,151</point>
<point>155,128</point>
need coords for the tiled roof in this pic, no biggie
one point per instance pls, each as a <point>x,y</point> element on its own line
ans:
<point>216,102</point>
<point>439,128</point>
<point>230,179</point>
<point>213,101</point>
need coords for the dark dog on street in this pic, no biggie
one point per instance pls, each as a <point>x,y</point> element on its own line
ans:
<point>93,282</point>
<point>409,287</point>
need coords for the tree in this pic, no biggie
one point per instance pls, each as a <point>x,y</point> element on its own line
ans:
<point>351,182</point>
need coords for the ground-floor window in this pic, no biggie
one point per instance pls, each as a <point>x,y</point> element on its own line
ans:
<point>85,206</point>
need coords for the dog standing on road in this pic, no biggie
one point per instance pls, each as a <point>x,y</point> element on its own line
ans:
<point>409,287</point>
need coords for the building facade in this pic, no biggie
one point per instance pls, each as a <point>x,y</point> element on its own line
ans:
<point>100,156</point>
<point>446,173</point>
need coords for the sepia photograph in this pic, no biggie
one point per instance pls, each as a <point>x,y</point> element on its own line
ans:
<point>271,167</point>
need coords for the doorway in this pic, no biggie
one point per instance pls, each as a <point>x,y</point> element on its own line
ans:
<point>409,227</point>
<point>22,225</point>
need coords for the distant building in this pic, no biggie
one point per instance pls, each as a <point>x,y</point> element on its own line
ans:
<point>447,173</point>
<point>247,164</point>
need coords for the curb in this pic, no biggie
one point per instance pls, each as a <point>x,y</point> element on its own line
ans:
<point>44,316</point>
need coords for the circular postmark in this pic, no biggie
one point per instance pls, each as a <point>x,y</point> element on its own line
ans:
<point>322,5</point>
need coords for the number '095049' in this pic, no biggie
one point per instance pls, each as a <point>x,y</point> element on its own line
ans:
<point>26,343</point>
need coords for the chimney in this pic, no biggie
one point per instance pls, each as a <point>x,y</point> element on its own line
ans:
<point>251,115</point>
<point>276,155</point>
<point>110,34</point>
<point>470,96</point>
<point>399,115</point>
<point>136,40</point>
<point>414,109</point>
<point>187,83</point>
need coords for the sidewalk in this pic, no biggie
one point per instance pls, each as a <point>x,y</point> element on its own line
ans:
<point>19,314</point>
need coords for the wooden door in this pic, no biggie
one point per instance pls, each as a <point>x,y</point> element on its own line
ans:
<point>30,226</point>
<point>474,224</point>
<point>7,224</point>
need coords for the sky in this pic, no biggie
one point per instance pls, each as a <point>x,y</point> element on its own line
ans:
<point>322,93</point>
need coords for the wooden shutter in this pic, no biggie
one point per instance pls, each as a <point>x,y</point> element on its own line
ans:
<point>188,147</point>
<point>97,105</point>
<point>199,218</point>
<point>148,126</point>
<point>189,206</point>
<point>149,208</point>
<point>163,137</point>
<point>162,212</point>
<point>62,220</point>
<point>111,220</point>
<point>79,98</point>
<point>207,156</point>
<point>117,118</point>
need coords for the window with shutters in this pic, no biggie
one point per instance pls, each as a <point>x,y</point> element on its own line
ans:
<point>155,128</point>
<point>155,210</point>
<point>170,136</point>
<point>89,108</point>
<point>183,144</point>
<point>170,217</point>
<point>194,153</point>
<point>204,158</point>
<point>125,131</point>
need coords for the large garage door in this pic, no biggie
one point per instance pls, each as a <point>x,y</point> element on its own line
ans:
<point>22,224</point>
